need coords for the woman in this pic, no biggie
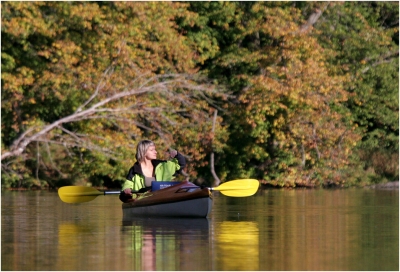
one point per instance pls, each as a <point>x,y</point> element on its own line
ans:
<point>148,169</point>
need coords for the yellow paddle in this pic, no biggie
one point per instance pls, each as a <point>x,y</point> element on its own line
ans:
<point>234,188</point>
<point>79,194</point>
<point>238,187</point>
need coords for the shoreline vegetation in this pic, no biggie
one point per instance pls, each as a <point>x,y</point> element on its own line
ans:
<point>387,185</point>
<point>391,185</point>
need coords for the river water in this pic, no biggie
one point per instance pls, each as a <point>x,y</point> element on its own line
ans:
<point>279,230</point>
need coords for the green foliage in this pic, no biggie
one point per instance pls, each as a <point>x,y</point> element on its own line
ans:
<point>61,59</point>
<point>298,103</point>
<point>364,39</point>
<point>286,119</point>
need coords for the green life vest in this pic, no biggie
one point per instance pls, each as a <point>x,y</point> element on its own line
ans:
<point>164,171</point>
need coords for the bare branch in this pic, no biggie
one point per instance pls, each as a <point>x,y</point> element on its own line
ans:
<point>161,83</point>
<point>216,178</point>
<point>51,159</point>
<point>386,58</point>
<point>96,92</point>
<point>313,18</point>
<point>303,155</point>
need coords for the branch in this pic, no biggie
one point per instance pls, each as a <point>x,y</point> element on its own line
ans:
<point>51,160</point>
<point>216,178</point>
<point>303,155</point>
<point>98,88</point>
<point>386,58</point>
<point>315,139</point>
<point>313,18</point>
<point>101,85</point>
<point>23,141</point>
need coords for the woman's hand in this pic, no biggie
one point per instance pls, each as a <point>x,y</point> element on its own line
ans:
<point>172,153</point>
<point>128,191</point>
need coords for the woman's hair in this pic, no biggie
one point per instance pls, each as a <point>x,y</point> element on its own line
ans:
<point>142,149</point>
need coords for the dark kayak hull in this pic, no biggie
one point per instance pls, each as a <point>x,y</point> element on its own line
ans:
<point>182,200</point>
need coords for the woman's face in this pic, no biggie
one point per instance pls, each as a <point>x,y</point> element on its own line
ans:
<point>151,153</point>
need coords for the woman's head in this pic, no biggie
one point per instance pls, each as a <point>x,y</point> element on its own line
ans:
<point>143,148</point>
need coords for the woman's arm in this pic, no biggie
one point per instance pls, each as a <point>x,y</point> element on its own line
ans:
<point>179,158</point>
<point>181,161</point>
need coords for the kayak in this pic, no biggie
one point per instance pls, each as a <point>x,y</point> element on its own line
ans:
<point>180,200</point>
<point>166,199</point>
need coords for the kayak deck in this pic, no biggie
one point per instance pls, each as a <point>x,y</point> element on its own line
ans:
<point>181,200</point>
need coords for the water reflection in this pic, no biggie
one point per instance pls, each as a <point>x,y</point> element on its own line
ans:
<point>166,243</point>
<point>237,245</point>
<point>276,230</point>
<point>70,244</point>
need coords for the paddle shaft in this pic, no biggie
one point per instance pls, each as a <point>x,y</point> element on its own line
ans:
<point>112,192</point>
<point>94,193</point>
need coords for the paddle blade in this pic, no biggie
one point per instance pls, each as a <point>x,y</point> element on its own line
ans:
<point>78,194</point>
<point>239,187</point>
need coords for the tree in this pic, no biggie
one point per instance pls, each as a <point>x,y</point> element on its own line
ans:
<point>363,39</point>
<point>287,123</point>
<point>306,92</point>
<point>84,81</point>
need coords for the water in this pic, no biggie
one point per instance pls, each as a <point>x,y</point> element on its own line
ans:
<point>351,229</point>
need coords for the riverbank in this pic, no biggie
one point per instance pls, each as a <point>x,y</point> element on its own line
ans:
<point>393,185</point>
<point>387,185</point>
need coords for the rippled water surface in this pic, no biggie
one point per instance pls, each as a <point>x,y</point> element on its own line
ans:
<point>350,229</point>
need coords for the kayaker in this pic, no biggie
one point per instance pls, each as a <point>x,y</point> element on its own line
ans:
<point>148,168</point>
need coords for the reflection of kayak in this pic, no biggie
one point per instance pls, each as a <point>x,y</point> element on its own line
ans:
<point>174,224</point>
<point>182,200</point>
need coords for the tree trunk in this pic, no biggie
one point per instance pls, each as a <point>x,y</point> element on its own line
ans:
<point>217,181</point>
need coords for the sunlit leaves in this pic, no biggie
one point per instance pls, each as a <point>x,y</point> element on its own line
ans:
<point>99,76</point>
<point>287,127</point>
<point>364,37</point>
<point>91,53</point>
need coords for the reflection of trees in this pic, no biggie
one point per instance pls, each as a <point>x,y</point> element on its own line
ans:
<point>284,230</point>
<point>25,236</point>
<point>326,230</point>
